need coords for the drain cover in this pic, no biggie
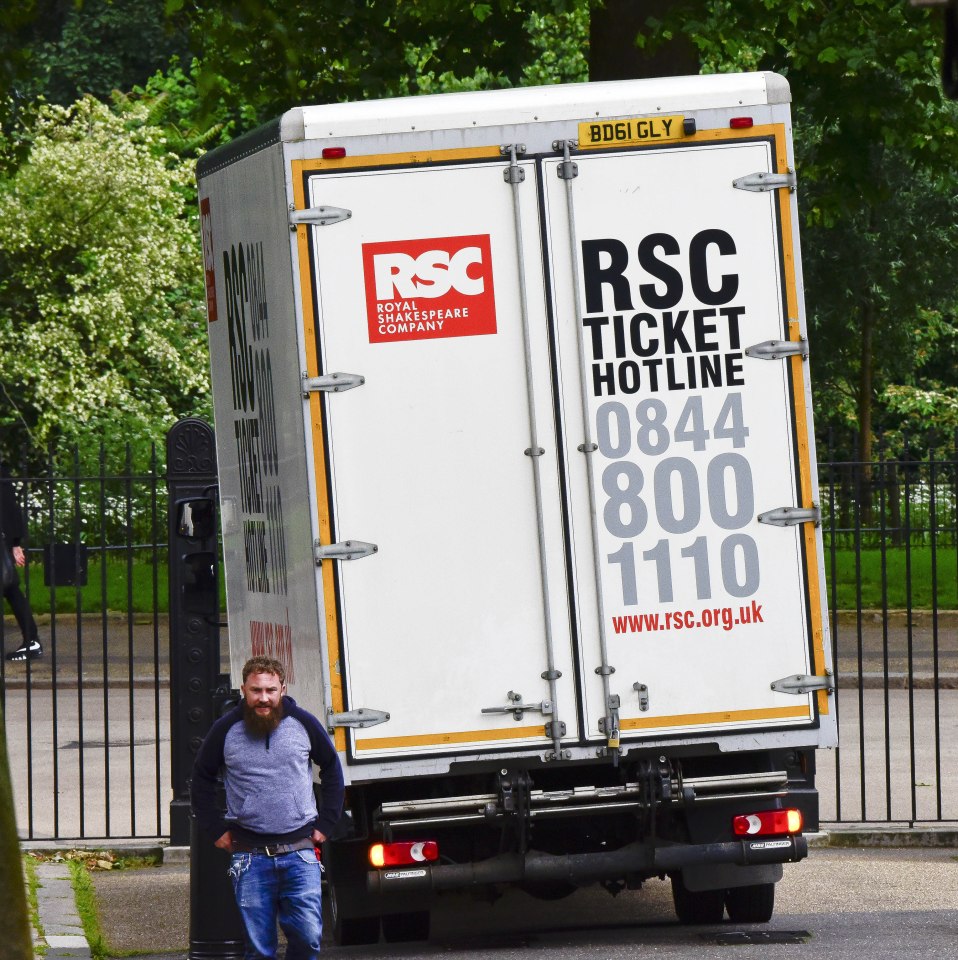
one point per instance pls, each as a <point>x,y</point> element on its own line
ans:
<point>731,937</point>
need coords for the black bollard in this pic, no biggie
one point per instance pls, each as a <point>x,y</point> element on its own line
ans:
<point>194,605</point>
<point>216,930</point>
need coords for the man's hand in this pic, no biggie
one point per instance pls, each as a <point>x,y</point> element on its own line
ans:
<point>19,557</point>
<point>318,837</point>
<point>225,842</point>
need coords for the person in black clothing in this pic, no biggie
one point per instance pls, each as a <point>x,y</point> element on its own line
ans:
<point>14,533</point>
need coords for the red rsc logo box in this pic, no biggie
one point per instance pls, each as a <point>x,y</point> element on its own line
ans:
<point>427,289</point>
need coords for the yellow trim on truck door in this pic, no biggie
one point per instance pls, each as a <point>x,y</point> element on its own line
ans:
<point>439,739</point>
<point>710,719</point>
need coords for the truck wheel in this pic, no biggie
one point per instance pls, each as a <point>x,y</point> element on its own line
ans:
<point>403,927</point>
<point>752,904</point>
<point>351,931</point>
<point>697,906</point>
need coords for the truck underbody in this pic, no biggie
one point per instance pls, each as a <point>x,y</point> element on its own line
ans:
<point>551,829</point>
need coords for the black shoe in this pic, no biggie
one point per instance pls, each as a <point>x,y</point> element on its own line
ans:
<point>29,651</point>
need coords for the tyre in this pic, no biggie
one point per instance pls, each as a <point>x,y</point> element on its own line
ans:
<point>752,904</point>
<point>351,931</point>
<point>697,906</point>
<point>404,927</point>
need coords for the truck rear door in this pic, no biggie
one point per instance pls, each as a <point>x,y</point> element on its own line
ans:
<point>684,399</point>
<point>449,629</point>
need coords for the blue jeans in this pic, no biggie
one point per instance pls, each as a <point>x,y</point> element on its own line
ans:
<point>287,888</point>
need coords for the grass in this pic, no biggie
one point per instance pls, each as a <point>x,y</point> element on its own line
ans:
<point>126,588</point>
<point>129,588</point>
<point>894,587</point>
<point>30,871</point>
<point>86,907</point>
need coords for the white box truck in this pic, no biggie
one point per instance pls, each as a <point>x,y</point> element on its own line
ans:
<point>517,478</point>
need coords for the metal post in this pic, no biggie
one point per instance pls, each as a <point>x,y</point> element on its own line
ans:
<point>197,689</point>
<point>194,609</point>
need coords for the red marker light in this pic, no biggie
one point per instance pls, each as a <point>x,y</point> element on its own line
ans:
<point>740,123</point>
<point>403,853</point>
<point>768,822</point>
<point>334,153</point>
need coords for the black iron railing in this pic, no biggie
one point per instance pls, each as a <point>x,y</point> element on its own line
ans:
<point>88,723</point>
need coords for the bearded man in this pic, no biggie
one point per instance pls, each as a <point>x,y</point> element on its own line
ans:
<point>272,828</point>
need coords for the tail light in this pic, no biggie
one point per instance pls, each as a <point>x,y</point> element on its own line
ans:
<point>767,822</point>
<point>403,852</point>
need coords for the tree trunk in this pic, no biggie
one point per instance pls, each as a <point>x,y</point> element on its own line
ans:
<point>865,386</point>
<point>613,54</point>
<point>14,920</point>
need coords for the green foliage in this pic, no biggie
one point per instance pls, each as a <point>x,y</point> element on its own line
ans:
<point>877,155</point>
<point>173,100</point>
<point>95,273</point>
<point>558,48</point>
<point>57,51</point>
<point>67,50</point>
<point>102,332</point>
<point>274,54</point>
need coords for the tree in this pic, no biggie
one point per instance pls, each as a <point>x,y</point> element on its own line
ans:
<point>56,51</point>
<point>102,332</point>
<point>14,918</point>
<point>621,49</point>
<point>275,54</point>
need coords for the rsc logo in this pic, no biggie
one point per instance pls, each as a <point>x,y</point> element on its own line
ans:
<point>432,274</point>
<point>430,288</point>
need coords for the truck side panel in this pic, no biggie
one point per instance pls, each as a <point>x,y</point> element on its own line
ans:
<point>256,372</point>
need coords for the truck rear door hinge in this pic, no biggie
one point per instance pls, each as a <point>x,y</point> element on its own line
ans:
<point>513,173</point>
<point>332,383</point>
<point>776,349</point>
<point>568,169</point>
<point>763,182</point>
<point>555,729</point>
<point>516,706</point>
<point>791,516</point>
<point>802,683</point>
<point>362,717</point>
<point>346,550</point>
<point>317,216</point>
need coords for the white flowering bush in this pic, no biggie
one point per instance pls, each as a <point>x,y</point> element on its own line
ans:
<point>102,326</point>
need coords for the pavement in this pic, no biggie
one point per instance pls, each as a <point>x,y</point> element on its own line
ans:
<point>145,911</point>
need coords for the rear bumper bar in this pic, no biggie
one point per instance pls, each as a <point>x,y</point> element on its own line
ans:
<point>582,868</point>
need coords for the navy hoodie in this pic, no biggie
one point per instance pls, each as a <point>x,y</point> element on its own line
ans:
<point>269,784</point>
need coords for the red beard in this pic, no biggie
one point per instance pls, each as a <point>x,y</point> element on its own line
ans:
<point>259,725</point>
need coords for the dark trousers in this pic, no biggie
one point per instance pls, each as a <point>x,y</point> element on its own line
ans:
<point>21,611</point>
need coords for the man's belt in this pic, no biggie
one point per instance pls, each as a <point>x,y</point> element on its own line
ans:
<point>274,849</point>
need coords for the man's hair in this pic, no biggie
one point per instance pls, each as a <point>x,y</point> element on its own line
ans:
<point>264,665</point>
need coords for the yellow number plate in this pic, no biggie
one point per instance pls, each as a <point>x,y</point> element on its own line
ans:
<point>624,133</point>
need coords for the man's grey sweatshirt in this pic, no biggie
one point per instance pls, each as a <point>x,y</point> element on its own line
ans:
<point>269,784</point>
